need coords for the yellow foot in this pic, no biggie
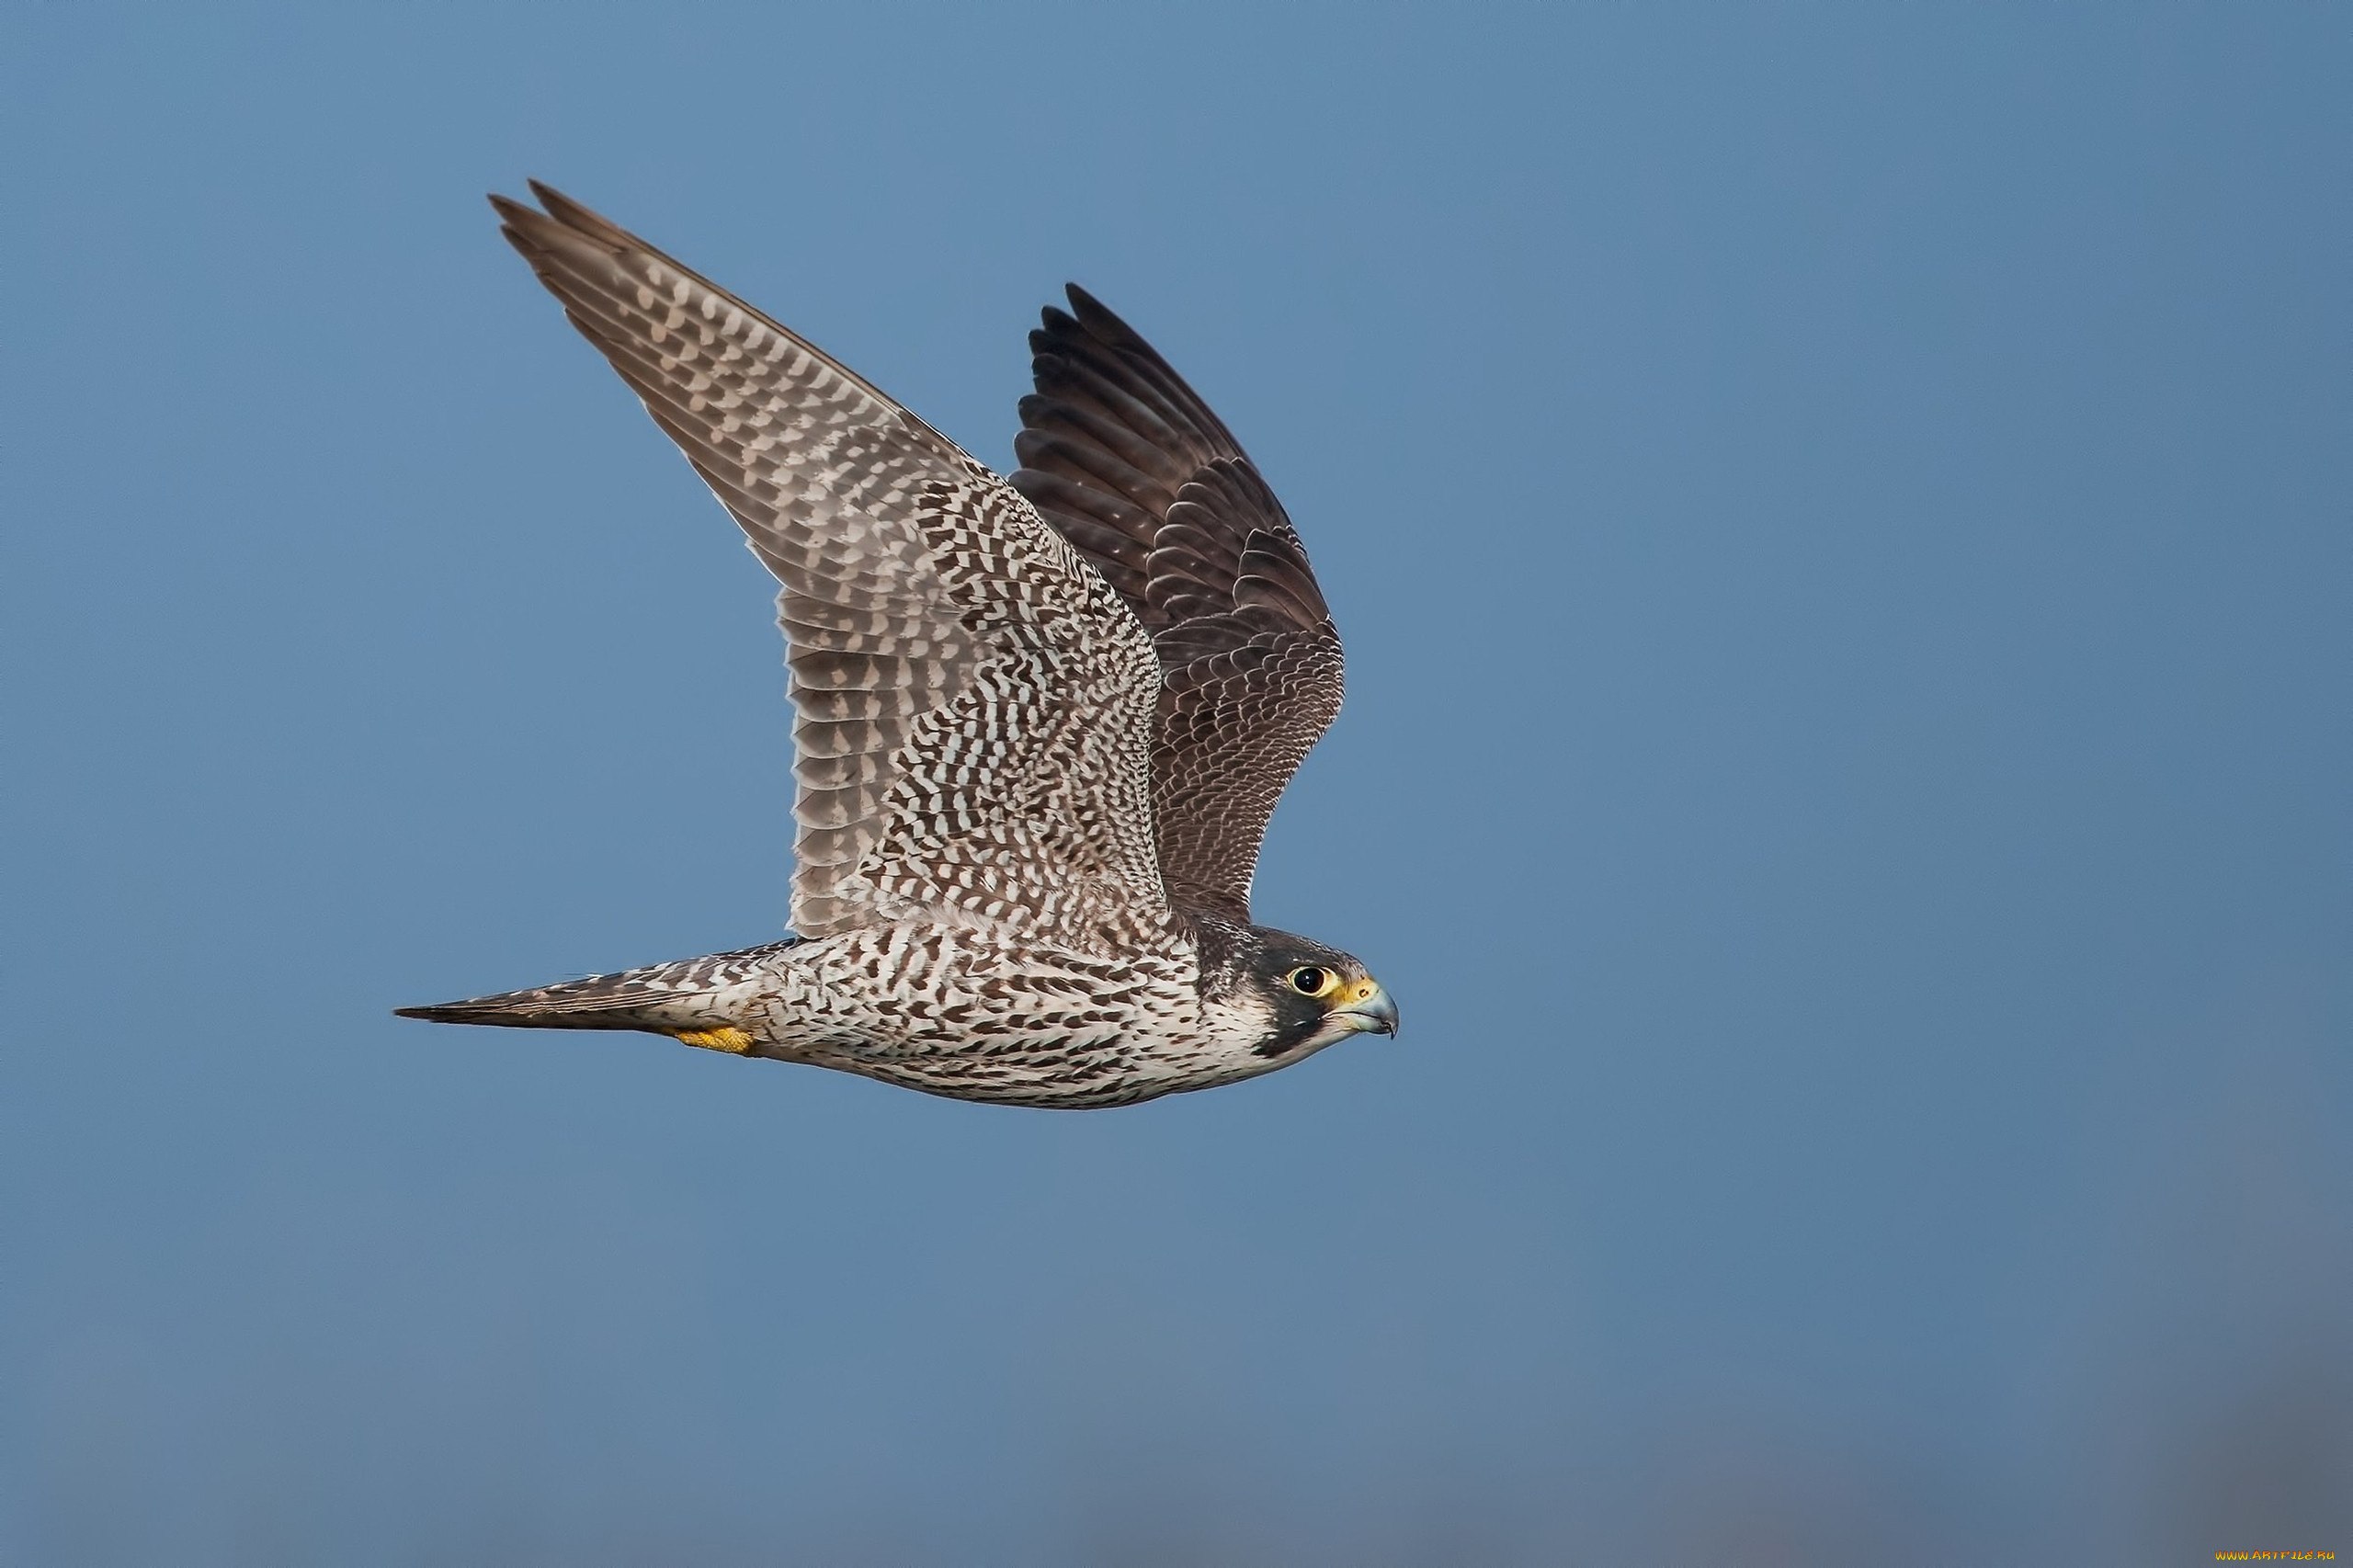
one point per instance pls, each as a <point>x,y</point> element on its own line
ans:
<point>731,1040</point>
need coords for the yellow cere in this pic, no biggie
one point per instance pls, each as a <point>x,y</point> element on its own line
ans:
<point>732,1040</point>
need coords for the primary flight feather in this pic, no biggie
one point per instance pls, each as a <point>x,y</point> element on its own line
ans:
<point>1039,723</point>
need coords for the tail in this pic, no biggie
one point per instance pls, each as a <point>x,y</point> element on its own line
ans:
<point>687,997</point>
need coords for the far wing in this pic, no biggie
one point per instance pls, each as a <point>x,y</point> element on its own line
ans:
<point>972,701</point>
<point>1129,463</point>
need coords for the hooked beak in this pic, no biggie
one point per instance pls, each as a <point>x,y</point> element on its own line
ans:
<point>1368,1010</point>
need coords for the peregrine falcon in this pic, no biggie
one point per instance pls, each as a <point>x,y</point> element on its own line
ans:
<point>1040,723</point>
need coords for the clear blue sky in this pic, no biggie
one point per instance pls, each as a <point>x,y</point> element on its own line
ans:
<point>1840,517</point>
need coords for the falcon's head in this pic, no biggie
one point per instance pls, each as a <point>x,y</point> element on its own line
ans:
<point>1291,995</point>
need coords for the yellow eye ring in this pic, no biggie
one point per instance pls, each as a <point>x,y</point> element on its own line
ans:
<point>1311,980</point>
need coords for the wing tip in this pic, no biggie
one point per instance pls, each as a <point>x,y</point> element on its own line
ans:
<point>559,219</point>
<point>1101,321</point>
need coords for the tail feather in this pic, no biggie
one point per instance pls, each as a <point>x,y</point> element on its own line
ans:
<point>659,999</point>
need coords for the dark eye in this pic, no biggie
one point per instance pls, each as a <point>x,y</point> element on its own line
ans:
<point>1310,980</point>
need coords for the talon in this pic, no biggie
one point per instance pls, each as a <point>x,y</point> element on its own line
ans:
<point>729,1038</point>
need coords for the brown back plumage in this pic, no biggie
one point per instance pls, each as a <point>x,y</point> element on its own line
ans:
<point>1136,471</point>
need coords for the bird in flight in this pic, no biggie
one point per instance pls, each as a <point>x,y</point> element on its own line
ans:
<point>1040,723</point>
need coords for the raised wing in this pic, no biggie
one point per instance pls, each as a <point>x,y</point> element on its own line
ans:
<point>1128,462</point>
<point>972,702</point>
